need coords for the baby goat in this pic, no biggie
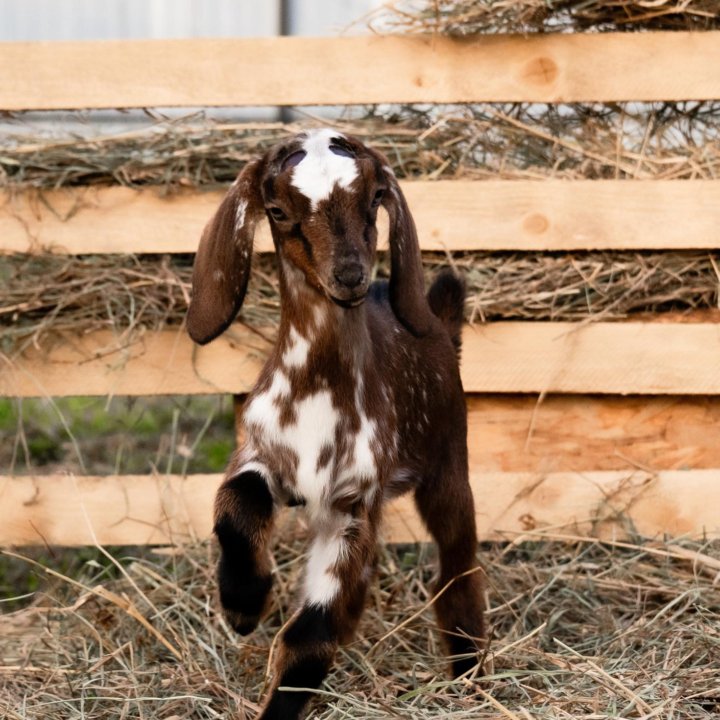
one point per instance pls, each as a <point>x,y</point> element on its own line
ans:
<point>360,400</point>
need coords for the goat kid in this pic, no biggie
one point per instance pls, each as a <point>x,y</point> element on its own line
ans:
<point>360,400</point>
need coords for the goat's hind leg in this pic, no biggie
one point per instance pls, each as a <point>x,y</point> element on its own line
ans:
<point>445,502</point>
<point>244,511</point>
<point>338,572</point>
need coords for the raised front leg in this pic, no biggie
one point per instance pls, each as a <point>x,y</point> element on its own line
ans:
<point>244,511</point>
<point>445,502</point>
<point>333,596</point>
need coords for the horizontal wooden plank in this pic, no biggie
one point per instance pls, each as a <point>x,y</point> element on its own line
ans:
<point>165,363</point>
<point>102,220</point>
<point>616,358</point>
<point>581,433</point>
<point>360,70</point>
<point>142,509</point>
<point>505,357</point>
<point>451,215</point>
<point>601,504</point>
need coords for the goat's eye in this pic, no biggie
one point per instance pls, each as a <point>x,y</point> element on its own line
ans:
<point>341,150</point>
<point>378,198</point>
<point>276,213</point>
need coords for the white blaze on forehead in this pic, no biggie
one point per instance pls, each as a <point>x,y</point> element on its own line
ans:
<point>320,170</point>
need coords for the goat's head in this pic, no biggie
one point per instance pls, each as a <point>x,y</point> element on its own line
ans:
<point>320,191</point>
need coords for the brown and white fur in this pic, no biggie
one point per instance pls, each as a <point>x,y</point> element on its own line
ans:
<point>360,400</point>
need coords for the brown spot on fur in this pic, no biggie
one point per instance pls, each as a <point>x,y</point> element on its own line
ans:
<point>324,457</point>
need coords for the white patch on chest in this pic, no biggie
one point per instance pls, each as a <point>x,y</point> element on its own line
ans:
<point>314,429</point>
<point>297,350</point>
<point>363,463</point>
<point>319,315</point>
<point>263,410</point>
<point>320,170</point>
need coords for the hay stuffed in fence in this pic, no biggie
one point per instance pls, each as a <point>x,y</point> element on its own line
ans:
<point>129,294</point>
<point>44,294</point>
<point>515,141</point>
<point>472,17</point>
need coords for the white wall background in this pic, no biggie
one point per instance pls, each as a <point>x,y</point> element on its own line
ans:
<point>119,19</point>
<point>48,20</point>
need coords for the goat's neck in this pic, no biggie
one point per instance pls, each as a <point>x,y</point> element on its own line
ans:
<point>338,338</point>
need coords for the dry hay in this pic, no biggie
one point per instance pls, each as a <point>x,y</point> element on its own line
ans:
<point>130,294</point>
<point>644,141</point>
<point>581,630</point>
<point>471,17</point>
<point>515,141</point>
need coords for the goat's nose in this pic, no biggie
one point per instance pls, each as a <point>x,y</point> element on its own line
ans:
<point>350,275</point>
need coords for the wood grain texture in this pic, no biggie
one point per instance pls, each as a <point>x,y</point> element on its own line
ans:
<point>581,433</point>
<point>450,215</point>
<point>359,70</point>
<point>165,363</point>
<point>617,358</point>
<point>642,358</point>
<point>142,509</point>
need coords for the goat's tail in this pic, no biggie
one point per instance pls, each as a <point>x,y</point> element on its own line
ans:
<point>446,298</point>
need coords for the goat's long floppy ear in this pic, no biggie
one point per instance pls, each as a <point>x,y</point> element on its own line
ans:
<point>407,284</point>
<point>222,264</point>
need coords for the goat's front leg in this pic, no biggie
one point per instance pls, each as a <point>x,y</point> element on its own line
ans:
<point>244,511</point>
<point>338,571</point>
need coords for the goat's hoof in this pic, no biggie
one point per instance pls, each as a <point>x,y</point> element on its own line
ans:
<point>243,601</point>
<point>241,624</point>
<point>466,666</point>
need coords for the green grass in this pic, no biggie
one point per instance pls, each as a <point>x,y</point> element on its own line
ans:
<point>100,436</point>
<point>119,435</point>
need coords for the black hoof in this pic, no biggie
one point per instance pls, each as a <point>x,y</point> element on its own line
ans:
<point>243,599</point>
<point>241,624</point>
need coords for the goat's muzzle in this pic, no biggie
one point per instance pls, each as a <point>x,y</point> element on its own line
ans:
<point>350,284</point>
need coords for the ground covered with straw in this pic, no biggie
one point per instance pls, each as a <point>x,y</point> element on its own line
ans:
<point>580,629</point>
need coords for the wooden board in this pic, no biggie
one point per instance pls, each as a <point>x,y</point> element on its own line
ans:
<point>601,504</point>
<point>581,433</point>
<point>368,69</point>
<point>142,509</point>
<point>451,215</point>
<point>165,363</point>
<point>617,358</point>
<point>507,357</point>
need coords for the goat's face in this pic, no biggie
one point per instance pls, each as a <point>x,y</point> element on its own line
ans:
<point>321,192</point>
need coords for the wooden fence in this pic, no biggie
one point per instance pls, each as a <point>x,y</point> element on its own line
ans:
<point>627,433</point>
